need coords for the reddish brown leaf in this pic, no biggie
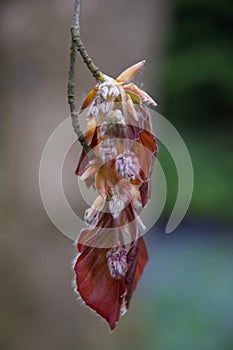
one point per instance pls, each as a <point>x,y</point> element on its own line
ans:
<point>137,259</point>
<point>149,141</point>
<point>84,159</point>
<point>145,192</point>
<point>97,288</point>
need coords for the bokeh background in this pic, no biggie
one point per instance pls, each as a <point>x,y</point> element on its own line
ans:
<point>184,300</point>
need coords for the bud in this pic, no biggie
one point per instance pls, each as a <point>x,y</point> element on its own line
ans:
<point>127,165</point>
<point>107,150</point>
<point>117,262</point>
<point>108,89</point>
<point>117,204</point>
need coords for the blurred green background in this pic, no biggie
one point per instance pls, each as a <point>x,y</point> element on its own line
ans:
<point>198,83</point>
<point>184,299</point>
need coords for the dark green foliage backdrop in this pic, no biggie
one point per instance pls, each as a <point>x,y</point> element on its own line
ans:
<point>198,93</point>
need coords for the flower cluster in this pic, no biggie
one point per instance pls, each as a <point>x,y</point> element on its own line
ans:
<point>112,255</point>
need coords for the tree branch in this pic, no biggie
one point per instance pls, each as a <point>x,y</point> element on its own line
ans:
<point>77,45</point>
<point>76,39</point>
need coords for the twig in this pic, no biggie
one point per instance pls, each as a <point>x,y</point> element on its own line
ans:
<point>76,44</point>
<point>76,39</point>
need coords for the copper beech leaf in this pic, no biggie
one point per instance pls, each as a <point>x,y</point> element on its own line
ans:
<point>137,259</point>
<point>97,288</point>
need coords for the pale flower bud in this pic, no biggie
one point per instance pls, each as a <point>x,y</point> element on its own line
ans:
<point>117,204</point>
<point>113,91</point>
<point>117,262</point>
<point>107,150</point>
<point>127,165</point>
<point>103,90</point>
